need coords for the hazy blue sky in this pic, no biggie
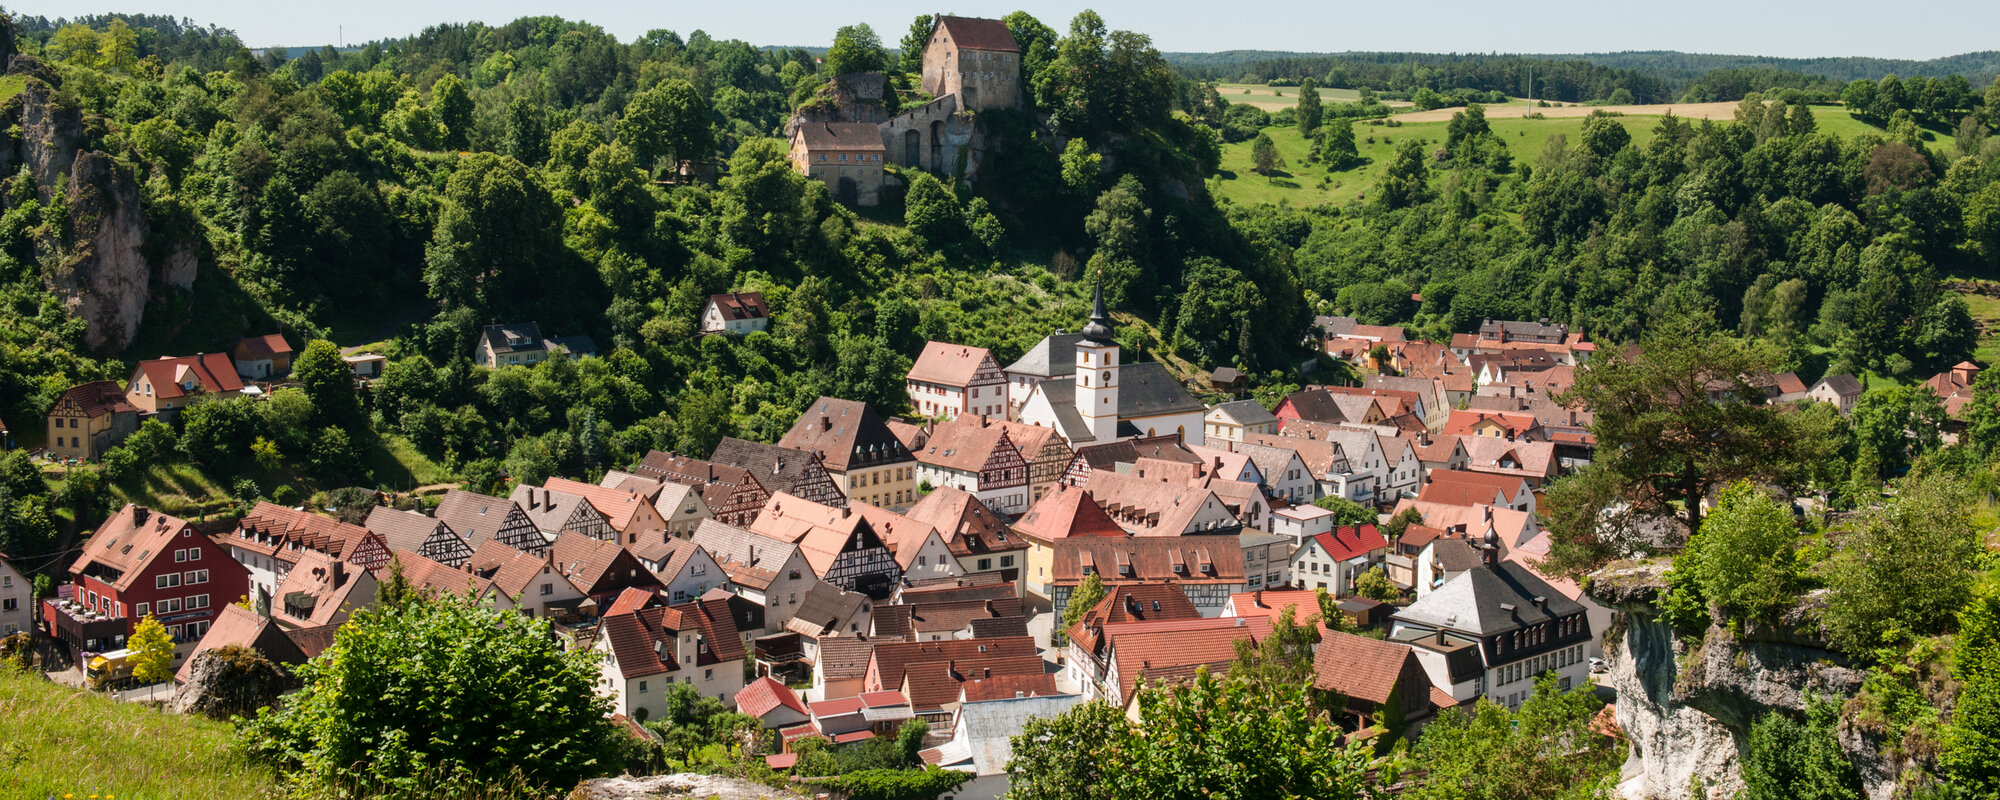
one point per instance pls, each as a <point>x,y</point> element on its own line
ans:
<point>1753,27</point>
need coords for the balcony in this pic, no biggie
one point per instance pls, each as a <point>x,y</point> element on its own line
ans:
<point>81,628</point>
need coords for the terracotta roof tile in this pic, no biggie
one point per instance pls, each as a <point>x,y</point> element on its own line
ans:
<point>951,364</point>
<point>979,34</point>
<point>1067,512</point>
<point>846,434</point>
<point>1359,667</point>
<point>764,695</point>
<point>212,372</point>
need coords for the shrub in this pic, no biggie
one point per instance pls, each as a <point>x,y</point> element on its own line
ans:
<point>440,695</point>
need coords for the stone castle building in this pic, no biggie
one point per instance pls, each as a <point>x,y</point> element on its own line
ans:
<point>970,65</point>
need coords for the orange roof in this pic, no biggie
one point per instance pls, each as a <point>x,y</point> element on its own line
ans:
<point>261,346</point>
<point>1269,603</point>
<point>1463,421</point>
<point>632,599</point>
<point>1360,667</point>
<point>211,372</point>
<point>129,541</point>
<point>1064,513</point>
<point>618,506</point>
<point>1176,652</point>
<point>952,364</point>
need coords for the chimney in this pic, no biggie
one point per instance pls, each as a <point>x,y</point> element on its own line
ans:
<point>825,423</point>
<point>1441,641</point>
<point>988,671</point>
<point>990,611</point>
<point>1541,601</point>
<point>1512,611</point>
<point>951,668</point>
<point>1242,622</point>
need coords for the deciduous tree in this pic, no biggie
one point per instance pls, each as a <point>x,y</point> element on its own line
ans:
<point>441,695</point>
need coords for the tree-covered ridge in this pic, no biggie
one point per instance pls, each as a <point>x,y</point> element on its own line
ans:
<point>1647,76</point>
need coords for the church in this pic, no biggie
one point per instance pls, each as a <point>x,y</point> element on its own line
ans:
<point>1102,401</point>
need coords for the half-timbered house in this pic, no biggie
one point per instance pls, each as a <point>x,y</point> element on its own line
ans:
<point>842,546</point>
<point>426,536</point>
<point>971,454</point>
<point>477,517</point>
<point>733,494</point>
<point>799,473</point>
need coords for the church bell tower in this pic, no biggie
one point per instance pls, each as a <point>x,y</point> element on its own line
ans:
<point>1097,373</point>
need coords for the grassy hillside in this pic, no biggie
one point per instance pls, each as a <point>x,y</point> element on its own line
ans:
<point>1300,183</point>
<point>61,742</point>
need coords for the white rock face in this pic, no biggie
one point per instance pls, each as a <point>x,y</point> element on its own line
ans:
<point>680,786</point>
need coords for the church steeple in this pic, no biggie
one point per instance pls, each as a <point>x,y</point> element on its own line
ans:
<point>1099,329</point>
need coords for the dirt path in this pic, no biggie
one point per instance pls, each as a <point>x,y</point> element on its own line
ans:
<point>1684,110</point>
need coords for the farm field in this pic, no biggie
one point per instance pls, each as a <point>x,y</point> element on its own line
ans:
<point>1274,98</point>
<point>1300,183</point>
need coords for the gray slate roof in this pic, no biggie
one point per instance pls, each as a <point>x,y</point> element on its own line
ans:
<point>1470,603</point>
<point>513,337</point>
<point>1052,357</point>
<point>1842,384</point>
<point>1147,389</point>
<point>1246,412</point>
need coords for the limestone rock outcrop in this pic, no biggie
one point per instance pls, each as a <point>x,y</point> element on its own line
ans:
<point>1686,704</point>
<point>105,267</point>
<point>230,681</point>
<point>680,786</point>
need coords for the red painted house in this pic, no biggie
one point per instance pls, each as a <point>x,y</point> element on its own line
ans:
<point>139,562</point>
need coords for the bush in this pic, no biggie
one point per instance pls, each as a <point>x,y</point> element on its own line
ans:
<point>1345,511</point>
<point>440,695</point>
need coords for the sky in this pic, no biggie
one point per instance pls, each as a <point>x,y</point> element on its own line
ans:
<point>1786,28</point>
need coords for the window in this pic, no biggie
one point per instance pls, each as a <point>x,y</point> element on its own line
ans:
<point>708,674</point>
<point>197,576</point>
<point>180,556</point>
<point>167,581</point>
<point>142,609</point>
<point>197,601</point>
<point>985,563</point>
<point>169,606</point>
<point>548,589</point>
<point>10,604</point>
<point>642,687</point>
<point>1006,561</point>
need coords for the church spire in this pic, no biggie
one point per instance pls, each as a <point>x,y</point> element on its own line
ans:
<point>1099,329</point>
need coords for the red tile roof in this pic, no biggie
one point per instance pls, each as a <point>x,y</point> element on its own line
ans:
<point>1124,604</point>
<point>261,346</point>
<point>97,398</point>
<point>128,542</point>
<point>932,684</point>
<point>213,372</point>
<point>892,659</point>
<point>1349,541</point>
<point>741,305</point>
<point>765,695</point>
<point>630,600</point>
<point>1156,654</point>
<point>618,506</point>
<point>1359,667</point>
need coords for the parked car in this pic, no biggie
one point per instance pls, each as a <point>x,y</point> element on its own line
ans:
<point>1599,665</point>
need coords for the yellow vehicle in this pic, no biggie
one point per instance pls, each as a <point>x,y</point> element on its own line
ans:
<point>109,669</point>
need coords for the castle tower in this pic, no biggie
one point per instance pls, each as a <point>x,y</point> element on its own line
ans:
<point>1097,373</point>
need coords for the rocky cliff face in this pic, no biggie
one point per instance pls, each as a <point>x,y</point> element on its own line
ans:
<point>101,268</point>
<point>1687,705</point>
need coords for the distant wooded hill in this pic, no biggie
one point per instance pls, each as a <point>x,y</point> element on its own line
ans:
<point>1667,66</point>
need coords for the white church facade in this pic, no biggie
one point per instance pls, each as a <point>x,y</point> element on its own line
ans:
<point>1104,400</point>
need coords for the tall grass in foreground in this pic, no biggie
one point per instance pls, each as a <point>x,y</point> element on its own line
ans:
<point>56,741</point>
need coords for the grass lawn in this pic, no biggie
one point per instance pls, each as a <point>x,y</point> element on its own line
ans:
<point>178,489</point>
<point>62,742</point>
<point>396,464</point>
<point>1305,184</point>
